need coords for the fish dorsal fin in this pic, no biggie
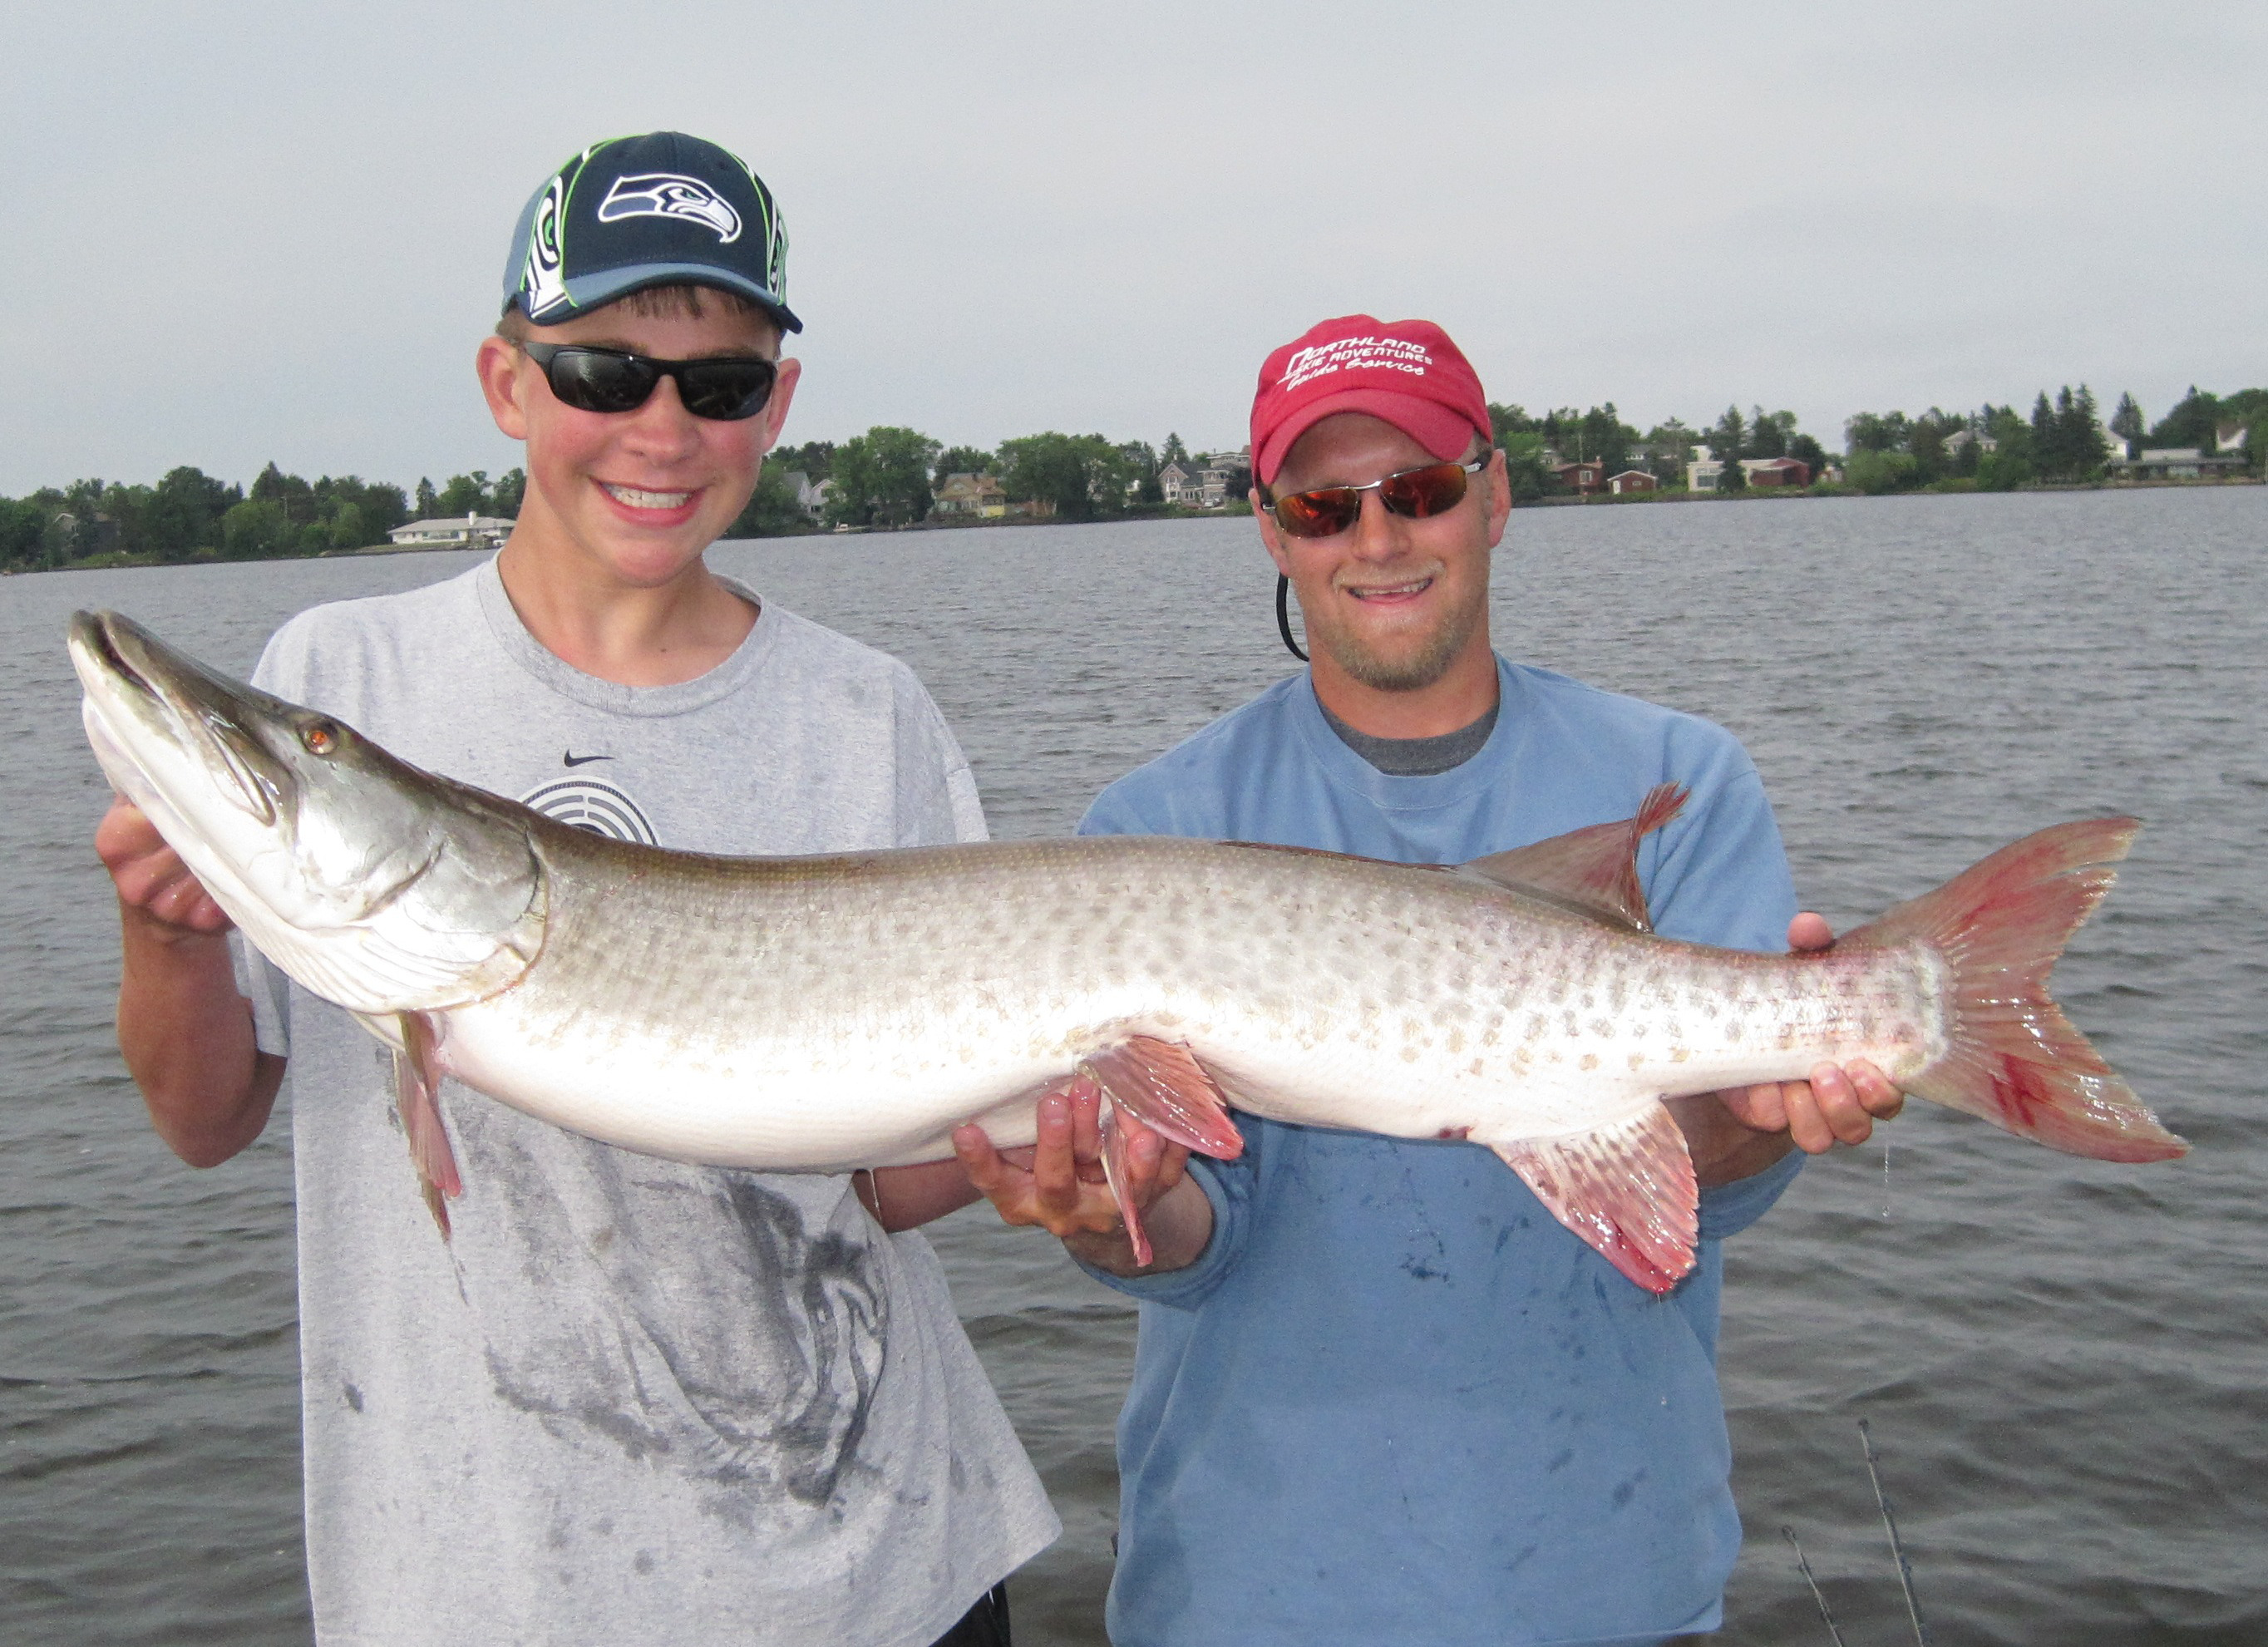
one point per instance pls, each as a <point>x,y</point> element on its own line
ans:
<point>1595,869</point>
<point>1627,1189</point>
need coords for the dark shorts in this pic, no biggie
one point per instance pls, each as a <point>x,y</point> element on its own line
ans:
<point>984,1625</point>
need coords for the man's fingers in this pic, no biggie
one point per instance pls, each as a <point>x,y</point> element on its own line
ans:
<point>125,832</point>
<point>1877,1093</point>
<point>1172,1167</point>
<point>1143,1148</point>
<point>1762,1107</point>
<point>1055,1166</point>
<point>1809,932</point>
<point>1085,1119</point>
<point>149,875</point>
<point>1826,1111</point>
<point>1000,1180</point>
<point>1806,1128</point>
<point>980,1160</point>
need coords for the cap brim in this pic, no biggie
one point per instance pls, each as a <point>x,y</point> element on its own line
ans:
<point>1441,431</point>
<point>592,291</point>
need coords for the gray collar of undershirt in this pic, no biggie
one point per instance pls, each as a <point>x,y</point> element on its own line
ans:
<point>1417,757</point>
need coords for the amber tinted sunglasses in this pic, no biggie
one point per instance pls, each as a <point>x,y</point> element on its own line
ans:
<point>1413,494</point>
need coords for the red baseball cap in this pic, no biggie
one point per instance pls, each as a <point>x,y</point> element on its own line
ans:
<point>1406,372</point>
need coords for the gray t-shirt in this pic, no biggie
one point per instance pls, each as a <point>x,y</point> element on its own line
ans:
<point>631,1401</point>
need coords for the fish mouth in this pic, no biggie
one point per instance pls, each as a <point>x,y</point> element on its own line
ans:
<point>141,692</point>
<point>91,642</point>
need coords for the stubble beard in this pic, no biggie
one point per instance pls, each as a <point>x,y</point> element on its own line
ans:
<point>1400,671</point>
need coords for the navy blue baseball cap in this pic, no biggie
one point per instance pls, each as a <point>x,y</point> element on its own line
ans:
<point>658,211</point>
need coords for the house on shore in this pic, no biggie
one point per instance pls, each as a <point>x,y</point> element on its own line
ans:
<point>965,496</point>
<point>810,496</point>
<point>1766,473</point>
<point>1203,482</point>
<point>1961,439</point>
<point>474,531</point>
<point>1631,481</point>
<point>1703,473</point>
<point>1583,476</point>
<point>2176,463</point>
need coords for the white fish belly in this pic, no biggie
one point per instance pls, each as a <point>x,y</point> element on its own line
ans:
<point>764,1102</point>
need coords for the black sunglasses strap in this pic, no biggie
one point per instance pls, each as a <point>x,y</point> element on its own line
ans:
<point>1283,615</point>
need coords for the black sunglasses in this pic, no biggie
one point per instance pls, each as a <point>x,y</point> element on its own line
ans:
<point>725,388</point>
<point>1433,489</point>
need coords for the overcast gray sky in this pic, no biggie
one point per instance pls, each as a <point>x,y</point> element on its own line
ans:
<point>277,230</point>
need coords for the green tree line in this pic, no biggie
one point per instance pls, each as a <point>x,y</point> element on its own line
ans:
<point>890,476</point>
<point>190,516</point>
<point>1533,447</point>
<point>2061,441</point>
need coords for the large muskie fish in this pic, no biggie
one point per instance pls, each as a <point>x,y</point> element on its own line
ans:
<point>824,1013</point>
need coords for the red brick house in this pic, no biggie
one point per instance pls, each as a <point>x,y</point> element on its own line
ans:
<point>1776,472</point>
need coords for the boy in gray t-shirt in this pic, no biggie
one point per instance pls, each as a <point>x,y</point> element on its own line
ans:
<point>628,1399</point>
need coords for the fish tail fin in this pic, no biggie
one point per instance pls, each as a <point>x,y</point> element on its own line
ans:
<point>2013,1057</point>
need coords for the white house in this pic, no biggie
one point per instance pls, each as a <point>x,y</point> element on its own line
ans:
<point>1178,481</point>
<point>1202,482</point>
<point>1194,485</point>
<point>810,496</point>
<point>1704,472</point>
<point>474,531</point>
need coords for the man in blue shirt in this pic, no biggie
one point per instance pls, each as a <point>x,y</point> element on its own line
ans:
<point>1380,1394</point>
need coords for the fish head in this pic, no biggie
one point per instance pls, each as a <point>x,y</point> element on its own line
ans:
<point>376,885</point>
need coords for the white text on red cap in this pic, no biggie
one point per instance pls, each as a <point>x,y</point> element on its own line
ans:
<point>1355,354</point>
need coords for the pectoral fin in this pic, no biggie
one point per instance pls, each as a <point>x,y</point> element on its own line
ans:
<point>1627,1189</point>
<point>417,1092</point>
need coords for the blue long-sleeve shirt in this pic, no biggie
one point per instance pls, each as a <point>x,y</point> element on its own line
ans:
<point>1395,1401</point>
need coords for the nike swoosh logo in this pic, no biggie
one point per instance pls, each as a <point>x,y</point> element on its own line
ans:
<point>574,760</point>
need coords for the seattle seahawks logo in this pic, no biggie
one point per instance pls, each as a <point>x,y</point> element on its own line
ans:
<point>593,805</point>
<point>541,286</point>
<point>667,194</point>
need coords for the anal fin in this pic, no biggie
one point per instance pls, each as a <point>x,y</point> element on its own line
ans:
<point>1627,1189</point>
<point>417,1094</point>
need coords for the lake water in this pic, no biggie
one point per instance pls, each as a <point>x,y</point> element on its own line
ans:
<point>2062,1362</point>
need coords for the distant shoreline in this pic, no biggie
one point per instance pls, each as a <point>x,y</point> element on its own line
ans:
<point>1942,488</point>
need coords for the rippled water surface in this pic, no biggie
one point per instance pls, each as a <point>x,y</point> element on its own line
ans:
<point>2062,1361</point>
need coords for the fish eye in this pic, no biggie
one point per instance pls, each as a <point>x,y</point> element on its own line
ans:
<point>320,737</point>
